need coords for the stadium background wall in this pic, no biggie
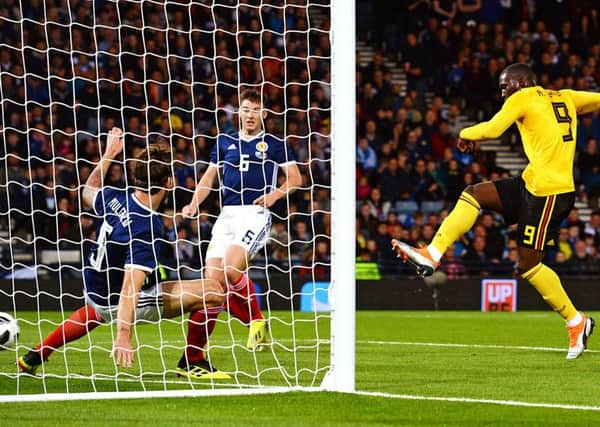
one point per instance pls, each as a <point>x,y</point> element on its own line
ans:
<point>387,294</point>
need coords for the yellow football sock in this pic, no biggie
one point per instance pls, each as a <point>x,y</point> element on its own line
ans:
<point>457,223</point>
<point>547,283</point>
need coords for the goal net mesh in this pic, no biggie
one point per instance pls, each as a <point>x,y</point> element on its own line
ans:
<point>70,70</point>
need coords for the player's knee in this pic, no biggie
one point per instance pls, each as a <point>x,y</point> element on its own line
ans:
<point>217,275</point>
<point>214,299</point>
<point>213,293</point>
<point>233,274</point>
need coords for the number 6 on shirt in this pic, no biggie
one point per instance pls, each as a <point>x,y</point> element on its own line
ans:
<point>244,162</point>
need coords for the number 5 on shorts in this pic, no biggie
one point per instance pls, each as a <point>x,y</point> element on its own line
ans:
<point>247,239</point>
<point>529,234</point>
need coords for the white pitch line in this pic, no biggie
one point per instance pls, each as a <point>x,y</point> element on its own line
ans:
<point>52,397</point>
<point>138,380</point>
<point>456,345</point>
<point>483,401</point>
<point>371,342</point>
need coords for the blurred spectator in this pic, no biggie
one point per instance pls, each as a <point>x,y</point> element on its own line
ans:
<point>564,245</point>
<point>453,265</point>
<point>588,127</point>
<point>592,227</point>
<point>424,185</point>
<point>379,207</point>
<point>573,220</point>
<point>452,178</point>
<point>445,10</point>
<point>468,10</point>
<point>367,221</point>
<point>363,189</point>
<point>366,156</point>
<point>589,170</point>
<point>582,261</point>
<point>494,240</point>
<point>476,259</point>
<point>394,182</point>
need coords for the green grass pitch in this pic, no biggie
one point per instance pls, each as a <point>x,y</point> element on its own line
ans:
<point>475,363</point>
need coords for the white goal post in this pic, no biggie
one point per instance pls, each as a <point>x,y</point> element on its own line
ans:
<point>175,70</point>
<point>342,373</point>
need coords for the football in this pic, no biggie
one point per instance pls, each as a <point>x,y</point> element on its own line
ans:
<point>9,331</point>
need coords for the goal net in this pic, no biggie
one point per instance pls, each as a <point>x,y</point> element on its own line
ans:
<point>70,70</point>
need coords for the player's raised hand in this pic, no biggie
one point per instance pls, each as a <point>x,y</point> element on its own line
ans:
<point>190,210</point>
<point>122,352</point>
<point>114,142</point>
<point>465,145</point>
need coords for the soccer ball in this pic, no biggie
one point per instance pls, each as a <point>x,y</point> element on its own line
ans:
<point>9,331</point>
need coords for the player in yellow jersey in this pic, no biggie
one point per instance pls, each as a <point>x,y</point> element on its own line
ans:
<point>537,201</point>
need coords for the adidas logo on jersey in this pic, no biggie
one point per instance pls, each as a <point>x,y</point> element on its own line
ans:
<point>232,147</point>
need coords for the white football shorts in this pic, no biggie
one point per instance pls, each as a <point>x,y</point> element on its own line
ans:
<point>246,226</point>
<point>149,307</point>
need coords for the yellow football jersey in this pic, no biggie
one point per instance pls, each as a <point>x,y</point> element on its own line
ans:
<point>547,122</point>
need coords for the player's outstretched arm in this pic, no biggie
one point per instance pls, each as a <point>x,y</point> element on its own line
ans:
<point>585,102</point>
<point>203,189</point>
<point>292,183</point>
<point>114,146</point>
<point>122,350</point>
<point>512,110</point>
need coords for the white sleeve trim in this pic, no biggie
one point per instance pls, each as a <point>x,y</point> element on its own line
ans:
<point>291,162</point>
<point>140,267</point>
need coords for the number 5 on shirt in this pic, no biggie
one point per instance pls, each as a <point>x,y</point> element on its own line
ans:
<point>105,231</point>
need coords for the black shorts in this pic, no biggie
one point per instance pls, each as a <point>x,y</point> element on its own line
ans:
<point>538,218</point>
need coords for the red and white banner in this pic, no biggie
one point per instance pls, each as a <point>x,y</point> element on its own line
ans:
<point>498,295</point>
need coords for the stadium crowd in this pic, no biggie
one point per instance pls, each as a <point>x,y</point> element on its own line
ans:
<point>174,72</point>
<point>69,75</point>
<point>451,54</point>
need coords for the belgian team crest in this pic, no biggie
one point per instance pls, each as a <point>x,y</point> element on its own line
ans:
<point>261,150</point>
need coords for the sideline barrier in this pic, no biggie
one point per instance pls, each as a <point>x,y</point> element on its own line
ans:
<point>385,294</point>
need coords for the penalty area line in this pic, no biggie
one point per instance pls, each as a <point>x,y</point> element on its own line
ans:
<point>479,401</point>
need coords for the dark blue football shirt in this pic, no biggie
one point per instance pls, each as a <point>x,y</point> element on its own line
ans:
<point>128,234</point>
<point>250,166</point>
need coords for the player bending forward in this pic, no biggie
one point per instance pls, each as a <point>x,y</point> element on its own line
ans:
<point>250,161</point>
<point>120,273</point>
<point>537,201</point>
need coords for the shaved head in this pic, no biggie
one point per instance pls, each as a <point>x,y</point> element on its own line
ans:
<point>516,77</point>
<point>520,72</point>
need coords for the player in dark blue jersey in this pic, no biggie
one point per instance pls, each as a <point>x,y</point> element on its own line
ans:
<point>121,271</point>
<point>250,161</point>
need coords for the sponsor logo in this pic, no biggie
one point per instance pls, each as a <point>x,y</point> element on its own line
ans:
<point>498,295</point>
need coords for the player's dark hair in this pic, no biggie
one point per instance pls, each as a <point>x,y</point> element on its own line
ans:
<point>251,95</point>
<point>520,72</point>
<point>152,168</point>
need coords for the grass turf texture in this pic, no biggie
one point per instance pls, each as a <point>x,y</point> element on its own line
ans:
<point>397,353</point>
